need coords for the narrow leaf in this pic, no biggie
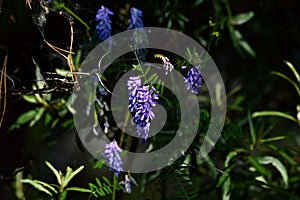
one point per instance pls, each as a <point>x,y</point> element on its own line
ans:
<point>260,168</point>
<point>274,114</point>
<point>37,186</point>
<point>71,175</point>
<point>242,18</point>
<point>231,155</point>
<point>30,99</point>
<point>252,131</point>
<point>226,189</point>
<point>78,189</point>
<point>288,79</point>
<point>38,116</point>
<point>278,165</point>
<point>24,118</point>
<point>55,172</point>
<point>293,70</point>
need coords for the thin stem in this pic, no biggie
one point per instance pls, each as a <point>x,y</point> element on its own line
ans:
<point>140,65</point>
<point>123,132</point>
<point>114,188</point>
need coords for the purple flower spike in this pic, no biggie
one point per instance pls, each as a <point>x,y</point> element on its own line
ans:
<point>141,101</point>
<point>193,80</point>
<point>135,20</point>
<point>103,29</point>
<point>112,151</point>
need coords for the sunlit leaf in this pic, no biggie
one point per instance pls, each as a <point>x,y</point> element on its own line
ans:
<point>30,99</point>
<point>70,174</point>
<point>55,172</point>
<point>63,72</point>
<point>288,79</point>
<point>38,116</point>
<point>226,189</point>
<point>242,18</point>
<point>37,186</point>
<point>283,154</point>
<point>293,70</point>
<point>278,165</point>
<point>274,114</point>
<point>260,168</point>
<point>231,155</point>
<point>23,118</point>
<point>78,189</point>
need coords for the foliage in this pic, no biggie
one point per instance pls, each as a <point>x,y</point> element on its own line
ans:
<point>257,156</point>
<point>57,191</point>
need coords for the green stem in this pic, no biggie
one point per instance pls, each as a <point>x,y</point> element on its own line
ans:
<point>62,6</point>
<point>114,188</point>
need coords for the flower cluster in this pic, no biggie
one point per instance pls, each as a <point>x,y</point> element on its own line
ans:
<point>103,29</point>
<point>139,36</point>
<point>167,64</point>
<point>141,100</point>
<point>127,183</point>
<point>112,151</point>
<point>135,20</point>
<point>193,80</point>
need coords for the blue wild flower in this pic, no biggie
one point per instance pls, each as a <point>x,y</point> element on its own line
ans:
<point>103,29</point>
<point>193,80</point>
<point>139,36</point>
<point>141,100</point>
<point>111,153</point>
<point>135,20</point>
<point>127,183</point>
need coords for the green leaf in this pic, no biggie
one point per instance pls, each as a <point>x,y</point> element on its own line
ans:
<point>98,182</point>
<point>260,168</point>
<point>70,174</point>
<point>30,99</point>
<point>23,118</point>
<point>106,180</point>
<point>293,70</point>
<point>153,76</point>
<point>231,155</point>
<point>274,114</point>
<point>40,81</point>
<point>224,177</point>
<point>63,72</point>
<point>55,172</point>
<point>272,139</point>
<point>278,165</point>
<point>239,42</point>
<point>283,154</point>
<point>78,189</point>
<point>37,186</point>
<point>252,131</point>
<point>288,79</point>
<point>101,192</point>
<point>46,185</point>
<point>242,18</point>
<point>70,108</point>
<point>38,116</point>
<point>162,88</point>
<point>147,71</point>
<point>197,3</point>
<point>226,189</point>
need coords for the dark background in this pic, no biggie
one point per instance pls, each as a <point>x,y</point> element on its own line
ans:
<point>273,33</point>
